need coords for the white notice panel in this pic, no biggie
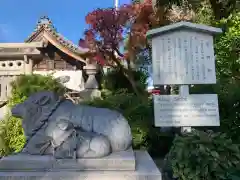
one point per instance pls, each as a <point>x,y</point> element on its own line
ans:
<point>183,58</point>
<point>192,110</point>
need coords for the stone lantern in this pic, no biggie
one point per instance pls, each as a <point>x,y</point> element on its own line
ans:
<point>91,85</point>
<point>91,70</point>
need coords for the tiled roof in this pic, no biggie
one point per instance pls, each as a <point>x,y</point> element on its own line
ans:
<point>45,23</point>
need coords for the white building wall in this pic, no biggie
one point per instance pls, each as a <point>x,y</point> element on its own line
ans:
<point>75,82</point>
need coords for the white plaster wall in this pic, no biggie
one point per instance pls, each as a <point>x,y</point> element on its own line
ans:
<point>12,67</point>
<point>3,112</point>
<point>75,83</point>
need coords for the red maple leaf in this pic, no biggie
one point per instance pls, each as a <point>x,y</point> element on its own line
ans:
<point>109,27</point>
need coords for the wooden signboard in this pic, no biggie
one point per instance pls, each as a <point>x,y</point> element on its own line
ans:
<point>183,54</point>
<point>183,58</point>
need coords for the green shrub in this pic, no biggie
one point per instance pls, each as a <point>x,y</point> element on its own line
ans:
<point>229,107</point>
<point>227,47</point>
<point>235,174</point>
<point>203,156</point>
<point>12,137</point>
<point>25,85</point>
<point>139,113</point>
<point>4,149</point>
<point>115,80</point>
<point>204,13</point>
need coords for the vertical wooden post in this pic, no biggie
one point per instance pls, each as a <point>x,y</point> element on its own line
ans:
<point>184,91</point>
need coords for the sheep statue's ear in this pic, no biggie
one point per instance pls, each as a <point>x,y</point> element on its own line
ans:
<point>44,100</point>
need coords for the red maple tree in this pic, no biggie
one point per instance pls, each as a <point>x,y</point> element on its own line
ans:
<point>110,28</point>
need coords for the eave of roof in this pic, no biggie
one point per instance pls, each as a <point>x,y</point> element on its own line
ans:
<point>22,45</point>
<point>18,50</point>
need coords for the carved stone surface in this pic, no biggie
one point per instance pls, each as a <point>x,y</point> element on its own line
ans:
<point>145,170</point>
<point>90,94</point>
<point>55,126</point>
<point>124,160</point>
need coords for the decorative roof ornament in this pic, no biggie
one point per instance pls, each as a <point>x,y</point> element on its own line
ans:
<point>44,21</point>
<point>45,24</point>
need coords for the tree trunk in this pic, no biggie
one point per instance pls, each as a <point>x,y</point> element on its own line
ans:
<point>129,75</point>
<point>222,9</point>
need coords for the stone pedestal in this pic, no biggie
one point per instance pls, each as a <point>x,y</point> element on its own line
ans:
<point>124,160</point>
<point>145,170</point>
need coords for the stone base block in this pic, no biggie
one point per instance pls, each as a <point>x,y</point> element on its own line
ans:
<point>145,170</point>
<point>89,94</point>
<point>124,160</point>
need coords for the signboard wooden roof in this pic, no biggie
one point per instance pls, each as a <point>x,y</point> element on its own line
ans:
<point>183,25</point>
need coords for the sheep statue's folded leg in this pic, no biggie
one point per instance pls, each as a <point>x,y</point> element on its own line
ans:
<point>92,145</point>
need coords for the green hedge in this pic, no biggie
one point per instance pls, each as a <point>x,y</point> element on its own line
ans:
<point>227,47</point>
<point>25,85</point>
<point>202,156</point>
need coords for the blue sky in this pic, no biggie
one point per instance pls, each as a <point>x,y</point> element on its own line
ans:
<point>19,17</point>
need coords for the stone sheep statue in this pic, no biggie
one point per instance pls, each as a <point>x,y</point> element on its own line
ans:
<point>55,126</point>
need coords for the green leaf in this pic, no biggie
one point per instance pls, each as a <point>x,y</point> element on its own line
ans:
<point>233,177</point>
<point>186,171</point>
<point>237,156</point>
<point>175,175</point>
<point>234,148</point>
<point>215,154</point>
